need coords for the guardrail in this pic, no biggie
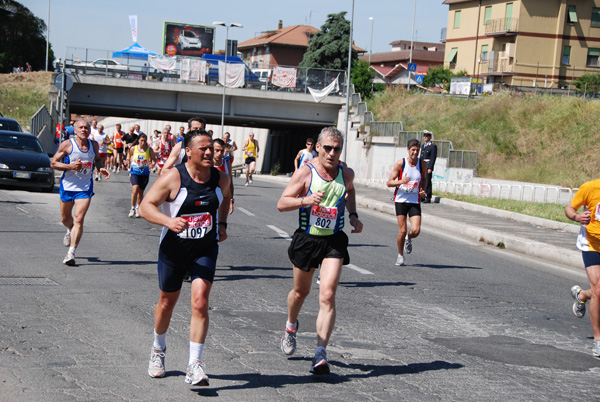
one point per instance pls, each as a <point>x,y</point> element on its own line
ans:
<point>385,128</point>
<point>96,62</point>
<point>41,119</point>
<point>517,192</point>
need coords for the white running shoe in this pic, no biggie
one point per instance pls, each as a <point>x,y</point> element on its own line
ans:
<point>246,184</point>
<point>156,367</point>
<point>400,260</point>
<point>131,212</point>
<point>408,246</point>
<point>69,259</point>
<point>319,280</point>
<point>578,306</point>
<point>67,239</point>
<point>250,180</point>
<point>195,375</point>
<point>137,212</point>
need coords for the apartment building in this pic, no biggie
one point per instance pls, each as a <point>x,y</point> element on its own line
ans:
<point>541,43</point>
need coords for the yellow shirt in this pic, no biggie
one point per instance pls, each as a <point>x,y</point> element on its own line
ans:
<point>589,195</point>
<point>251,149</point>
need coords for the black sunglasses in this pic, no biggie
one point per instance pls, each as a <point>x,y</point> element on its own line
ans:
<point>328,149</point>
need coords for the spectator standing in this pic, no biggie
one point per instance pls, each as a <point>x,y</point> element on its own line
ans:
<point>429,155</point>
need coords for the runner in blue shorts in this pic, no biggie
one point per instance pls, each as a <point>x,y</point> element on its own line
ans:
<point>76,158</point>
<point>191,202</point>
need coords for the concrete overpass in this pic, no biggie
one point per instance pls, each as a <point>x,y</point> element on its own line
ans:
<point>290,117</point>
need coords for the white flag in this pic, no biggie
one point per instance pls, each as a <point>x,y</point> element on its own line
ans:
<point>133,23</point>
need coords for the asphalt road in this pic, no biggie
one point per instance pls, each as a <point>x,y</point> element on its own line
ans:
<point>463,321</point>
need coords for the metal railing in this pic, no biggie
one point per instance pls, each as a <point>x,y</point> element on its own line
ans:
<point>94,61</point>
<point>386,128</point>
<point>443,148</point>
<point>462,159</point>
<point>41,119</point>
<point>497,65</point>
<point>501,25</point>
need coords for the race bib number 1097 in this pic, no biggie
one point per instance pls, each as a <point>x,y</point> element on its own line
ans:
<point>198,226</point>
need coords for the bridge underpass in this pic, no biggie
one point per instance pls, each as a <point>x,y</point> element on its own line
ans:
<point>290,117</point>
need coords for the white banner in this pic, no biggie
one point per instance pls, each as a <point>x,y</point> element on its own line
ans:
<point>133,24</point>
<point>235,74</point>
<point>162,62</point>
<point>320,94</point>
<point>185,70</point>
<point>284,77</point>
<point>195,70</point>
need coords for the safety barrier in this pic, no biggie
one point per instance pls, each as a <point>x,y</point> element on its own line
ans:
<point>517,192</point>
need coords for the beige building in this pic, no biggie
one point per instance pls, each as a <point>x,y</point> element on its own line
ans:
<point>543,43</point>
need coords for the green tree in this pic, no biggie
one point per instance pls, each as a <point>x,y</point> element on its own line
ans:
<point>22,38</point>
<point>441,76</point>
<point>329,47</point>
<point>588,83</point>
<point>362,78</point>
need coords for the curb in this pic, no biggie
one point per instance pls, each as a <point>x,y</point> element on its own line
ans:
<point>514,243</point>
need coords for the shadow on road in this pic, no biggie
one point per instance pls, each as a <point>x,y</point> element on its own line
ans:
<point>374,284</point>
<point>257,380</point>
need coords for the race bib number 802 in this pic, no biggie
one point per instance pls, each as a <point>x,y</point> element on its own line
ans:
<point>323,217</point>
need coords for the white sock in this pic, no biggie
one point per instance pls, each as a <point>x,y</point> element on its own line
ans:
<point>132,207</point>
<point>196,350</point>
<point>289,326</point>
<point>72,250</point>
<point>69,231</point>
<point>160,341</point>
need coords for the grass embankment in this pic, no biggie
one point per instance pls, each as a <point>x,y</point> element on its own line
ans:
<point>536,139</point>
<point>553,212</point>
<point>21,95</point>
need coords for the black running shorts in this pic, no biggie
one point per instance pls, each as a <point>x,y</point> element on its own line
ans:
<point>308,251</point>
<point>405,208</point>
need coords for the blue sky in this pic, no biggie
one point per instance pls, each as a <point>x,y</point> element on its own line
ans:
<point>104,24</point>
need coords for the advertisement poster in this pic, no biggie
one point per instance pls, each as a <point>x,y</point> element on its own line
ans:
<point>187,39</point>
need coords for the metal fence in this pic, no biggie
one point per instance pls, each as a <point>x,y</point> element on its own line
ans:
<point>101,62</point>
<point>462,159</point>
<point>40,119</point>
<point>443,148</point>
<point>385,128</point>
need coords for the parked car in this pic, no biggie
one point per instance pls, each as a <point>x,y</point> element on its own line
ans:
<point>10,124</point>
<point>23,162</point>
<point>100,66</point>
<point>263,74</point>
<point>189,40</point>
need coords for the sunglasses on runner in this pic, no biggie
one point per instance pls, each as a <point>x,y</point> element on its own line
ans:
<point>329,148</point>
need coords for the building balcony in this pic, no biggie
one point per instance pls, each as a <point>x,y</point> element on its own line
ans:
<point>502,27</point>
<point>497,67</point>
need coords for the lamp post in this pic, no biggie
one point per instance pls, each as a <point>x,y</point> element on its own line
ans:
<point>233,24</point>
<point>47,36</point>
<point>371,46</point>
<point>412,41</point>
<point>348,84</point>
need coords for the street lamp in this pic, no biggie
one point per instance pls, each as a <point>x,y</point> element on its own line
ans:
<point>412,42</point>
<point>371,47</point>
<point>233,24</point>
<point>348,85</point>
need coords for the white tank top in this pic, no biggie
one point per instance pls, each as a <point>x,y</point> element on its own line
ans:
<point>80,180</point>
<point>409,192</point>
<point>99,138</point>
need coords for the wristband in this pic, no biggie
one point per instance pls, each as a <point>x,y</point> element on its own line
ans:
<point>353,213</point>
<point>224,224</point>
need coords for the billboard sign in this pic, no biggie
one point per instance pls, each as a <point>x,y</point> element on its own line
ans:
<point>187,39</point>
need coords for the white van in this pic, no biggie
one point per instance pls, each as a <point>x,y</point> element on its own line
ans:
<point>264,74</point>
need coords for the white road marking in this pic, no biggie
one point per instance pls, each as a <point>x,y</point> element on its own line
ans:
<point>280,232</point>
<point>22,210</point>
<point>244,210</point>
<point>359,269</point>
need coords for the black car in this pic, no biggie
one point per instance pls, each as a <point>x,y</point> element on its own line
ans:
<point>9,124</point>
<point>23,162</point>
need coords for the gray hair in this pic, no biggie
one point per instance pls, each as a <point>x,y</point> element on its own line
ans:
<point>331,132</point>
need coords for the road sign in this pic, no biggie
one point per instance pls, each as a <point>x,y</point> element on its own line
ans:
<point>58,82</point>
<point>419,79</point>
<point>412,67</point>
